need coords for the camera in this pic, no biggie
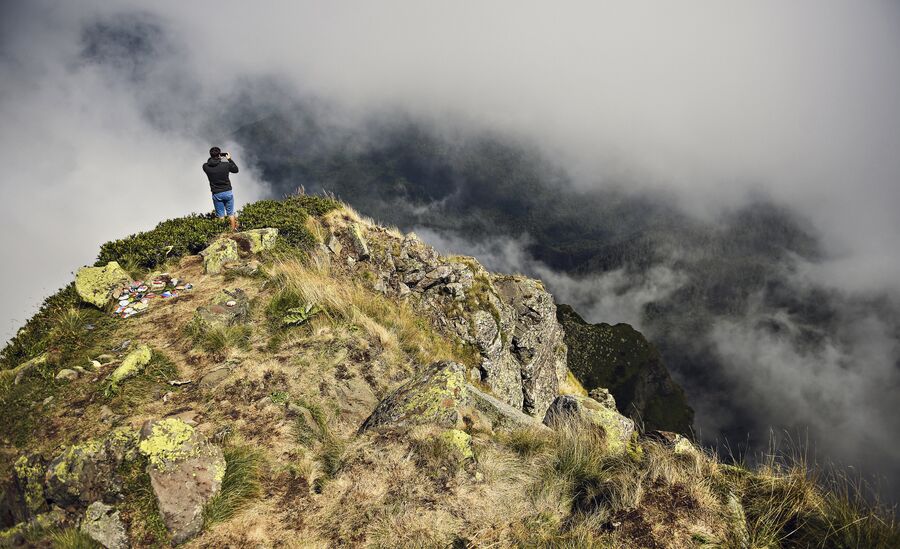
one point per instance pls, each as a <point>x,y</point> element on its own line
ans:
<point>223,154</point>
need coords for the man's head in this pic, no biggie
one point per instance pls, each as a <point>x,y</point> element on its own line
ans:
<point>215,152</point>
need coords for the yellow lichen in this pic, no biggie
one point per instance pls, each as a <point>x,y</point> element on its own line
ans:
<point>132,364</point>
<point>442,393</point>
<point>167,442</point>
<point>460,441</point>
<point>30,476</point>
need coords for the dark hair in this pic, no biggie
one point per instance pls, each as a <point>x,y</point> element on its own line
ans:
<point>215,152</point>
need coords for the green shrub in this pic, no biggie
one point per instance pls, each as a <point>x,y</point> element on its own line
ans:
<point>288,216</point>
<point>170,239</point>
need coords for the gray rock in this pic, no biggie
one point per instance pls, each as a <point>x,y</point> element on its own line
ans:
<point>186,471</point>
<point>334,245</point>
<point>67,374</point>
<point>604,397</point>
<point>103,524</point>
<point>219,314</point>
<point>501,415</point>
<point>359,242</point>
<point>215,377</point>
<point>440,395</point>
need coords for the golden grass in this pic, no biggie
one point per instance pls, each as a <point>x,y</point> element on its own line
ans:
<point>402,332</point>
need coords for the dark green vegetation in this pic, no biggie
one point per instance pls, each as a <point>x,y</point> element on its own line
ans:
<point>620,359</point>
<point>288,216</point>
<point>170,239</point>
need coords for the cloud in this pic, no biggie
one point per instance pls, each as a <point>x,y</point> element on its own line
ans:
<point>613,296</point>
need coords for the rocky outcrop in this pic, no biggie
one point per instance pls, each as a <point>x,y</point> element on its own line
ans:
<point>439,395</point>
<point>185,470</point>
<point>509,320</point>
<point>620,359</point>
<point>236,248</point>
<point>96,284</point>
<point>617,429</point>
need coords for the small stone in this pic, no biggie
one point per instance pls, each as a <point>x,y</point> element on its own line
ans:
<point>213,378</point>
<point>231,303</point>
<point>80,369</point>
<point>106,413</point>
<point>67,374</point>
<point>95,364</point>
<point>103,524</point>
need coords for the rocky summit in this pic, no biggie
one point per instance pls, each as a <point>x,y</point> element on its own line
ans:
<point>329,382</point>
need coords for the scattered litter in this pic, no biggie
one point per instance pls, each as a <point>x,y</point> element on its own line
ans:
<point>179,382</point>
<point>231,303</point>
<point>135,299</point>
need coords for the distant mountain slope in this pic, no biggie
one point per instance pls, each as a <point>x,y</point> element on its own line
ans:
<point>620,359</point>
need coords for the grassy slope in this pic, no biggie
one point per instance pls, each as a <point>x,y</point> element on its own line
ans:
<point>298,473</point>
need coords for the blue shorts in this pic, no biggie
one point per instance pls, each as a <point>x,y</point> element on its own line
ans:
<point>224,203</point>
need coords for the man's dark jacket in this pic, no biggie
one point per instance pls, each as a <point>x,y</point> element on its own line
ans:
<point>217,172</point>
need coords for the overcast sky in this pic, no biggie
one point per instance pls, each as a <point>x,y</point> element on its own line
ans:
<point>711,101</point>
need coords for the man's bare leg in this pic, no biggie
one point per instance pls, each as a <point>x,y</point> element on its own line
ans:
<point>234,224</point>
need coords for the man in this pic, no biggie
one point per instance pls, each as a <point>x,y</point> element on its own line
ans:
<point>220,185</point>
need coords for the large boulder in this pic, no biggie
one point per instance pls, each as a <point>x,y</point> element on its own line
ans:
<point>587,412</point>
<point>435,396</point>
<point>96,284</point>
<point>236,247</point>
<point>440,395</point>
<point>186,471</point>
<point>103,524</point>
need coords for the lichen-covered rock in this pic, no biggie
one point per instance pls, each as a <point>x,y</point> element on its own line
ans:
<point>460,441</point>
<point>88,471</point>
<point>26,497</point>
<point>66,374</point>
<point>95,284</point>
<point>103,524</point>
<point>257,240</point>
<point>235,247</point>
<point>19,372</point>
<point>432,396</point>
<point>217,254</point>
<point>132,364</point>
<point>617,429</point>
<point>440,395</point>
<point>185,470</point>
